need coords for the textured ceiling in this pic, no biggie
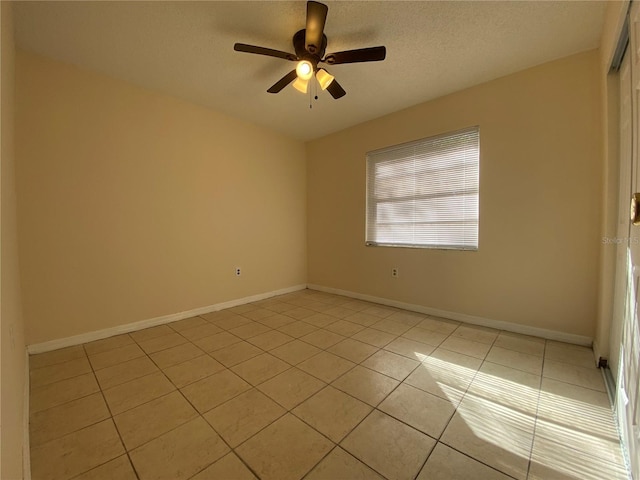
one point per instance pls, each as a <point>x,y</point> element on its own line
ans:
<point>186,49</point>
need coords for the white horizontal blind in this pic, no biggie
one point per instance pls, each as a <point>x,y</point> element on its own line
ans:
<point>425,193</point>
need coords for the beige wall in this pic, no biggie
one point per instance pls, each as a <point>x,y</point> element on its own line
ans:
<point>134,205</point>
<point>12,347</point>
<point>540,203</point>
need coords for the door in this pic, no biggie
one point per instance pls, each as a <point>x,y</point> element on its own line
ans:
<point>628,377</point>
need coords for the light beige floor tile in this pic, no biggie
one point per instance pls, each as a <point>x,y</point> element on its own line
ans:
<point>506,386</point>
<point>380,311</point>
<point>241,309</point>
<point>410,348</point>
<point>61,371</point>
<point>270,340</point>
<point>136,392</point>
<point>322,338</point>
<point>281,307</point>
<point>76,453</point>
<point>567,353</point>
<point>217,341</point>
<point>193,370</point>
<point>150,420</point>
<point>259,314</point>
<point>243,416</point>
<point>162,343</point>
<point>391,364</point>
<point>422,335</point>
<point>369,386</point>
<point>236,353</point>
<point>581,376</point>
<point>175,355</point>
<point>364,319</point>
<point>584,409</point>
<point>201,331</point>
<point>444,463</point>
<point>61,392</point>
<point>374,337</point>
<point>99,346</point>
<point>339,311</point>
<point>445,374</point>
<point>510,358</point>
<point>276,321</point>
<point>389,326</point>
<point>398,454</point>
<point>353,350</point>
<point>285,450</point>
<point>210,392</point>
<point>421,410</point>
<point>345,328</point>
<point>249,330</point>
<point>291,387</point>
<point>407,318</point>
<point>59,421</point>
<point>439,325</point>
<point>326,366</point>
<point>188,323</point>
<point>152,332</point>
<point>476,334</point>
<point>260,368</point>
<point>119,468</point>
<point>295,352</point>
<point>297,329</point>
<point>230,321</point>
<point>299,313</point>
<point>332,412</point>
<point>56,356</point>
<point>228,467</point>
<point>492,434</point>
<point>555,460</point>
<point>124,372</point>
<point>341,465</point>
<point>587,442</point>
<point>519,344</point>
<point>466,347</point>
<point>358,306</point>
<point>320,320</point>
<point>180,453</point>
<point>115,356</point>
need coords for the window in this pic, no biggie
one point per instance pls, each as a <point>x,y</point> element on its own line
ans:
<point>425,193</point>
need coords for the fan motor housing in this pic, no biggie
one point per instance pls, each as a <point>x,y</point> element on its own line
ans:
<point>302,53</point>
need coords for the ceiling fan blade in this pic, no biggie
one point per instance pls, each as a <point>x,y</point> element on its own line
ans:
<point>336,90</point>
<point>243,47</point>
<point>371,54</point>
<point>316,16</point>
<point>283,82</point>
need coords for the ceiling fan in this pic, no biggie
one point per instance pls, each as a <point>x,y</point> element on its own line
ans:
<point>310,44</point>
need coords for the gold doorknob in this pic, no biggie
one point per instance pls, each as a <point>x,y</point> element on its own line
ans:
<point>635,209</point>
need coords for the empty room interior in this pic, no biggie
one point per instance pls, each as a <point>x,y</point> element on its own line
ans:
<point>300,240</point>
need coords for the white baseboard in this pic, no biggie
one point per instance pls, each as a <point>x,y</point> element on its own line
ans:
<point>152,322</point>
<point>463,317</point>
<point>26,446</point>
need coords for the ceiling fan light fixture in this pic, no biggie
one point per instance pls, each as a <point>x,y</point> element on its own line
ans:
<point>301,84</point>
<point>304,70</point>
<point>324,78</point>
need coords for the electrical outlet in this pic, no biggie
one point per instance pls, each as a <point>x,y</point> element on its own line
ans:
<point>238,271</point>
<point>395,273</point>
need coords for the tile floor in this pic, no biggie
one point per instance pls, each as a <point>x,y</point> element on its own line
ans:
<point>317,386</point>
